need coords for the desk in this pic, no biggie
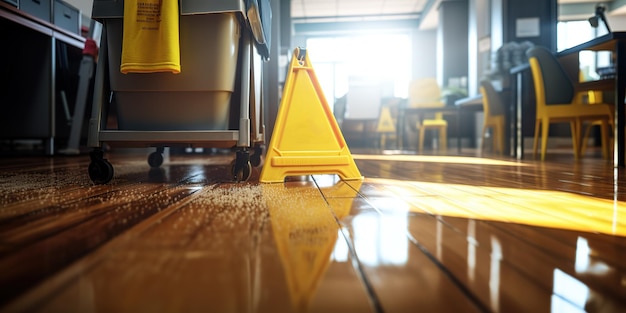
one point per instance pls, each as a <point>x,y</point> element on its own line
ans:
<point>469,104</point>
<point>28,84</point>
<point>614,42</point>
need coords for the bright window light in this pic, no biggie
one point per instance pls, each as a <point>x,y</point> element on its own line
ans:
<point>386,57</point>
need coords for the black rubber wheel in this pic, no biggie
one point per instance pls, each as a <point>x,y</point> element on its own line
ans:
<point>155,159</point>
<point>243,173</point>
<point>100,171</point>
<point>256,159</point>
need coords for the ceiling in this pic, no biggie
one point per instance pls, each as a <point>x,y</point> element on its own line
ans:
<point>305,11</point>
<point>352,8</point>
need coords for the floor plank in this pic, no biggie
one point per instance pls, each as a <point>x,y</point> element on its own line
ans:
<point>435,233</point>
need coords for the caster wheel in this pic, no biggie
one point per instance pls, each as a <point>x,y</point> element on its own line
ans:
<point>257,157</point>
<point>155,159</point>
<point>256,160</point>
<point>100,171</point>
<point>243,173</point>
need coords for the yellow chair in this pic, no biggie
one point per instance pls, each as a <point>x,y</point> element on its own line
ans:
<point>557,102</point>
<point>425,93</point>
<point>493,109</point>
<point>596,97</point>
<point>607,143</point>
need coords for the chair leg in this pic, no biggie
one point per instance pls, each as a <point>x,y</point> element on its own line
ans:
<point>605,140</point>
<point>583,144</point>
<point>443,138</point>
<point>536,140</point>
<point>499,135</point>
<point>545,127</point>
<point>420,145</point>
<point>575,127</point>
<point>482,141</point>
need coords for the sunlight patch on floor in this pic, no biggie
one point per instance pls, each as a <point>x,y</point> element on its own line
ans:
<point>546,208</point>
<point>435,159</point>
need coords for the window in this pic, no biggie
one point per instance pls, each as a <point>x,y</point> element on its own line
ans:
<point>572,33</point>
<point>385,57</point>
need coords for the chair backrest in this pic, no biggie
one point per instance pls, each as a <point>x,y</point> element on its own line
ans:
<point>552,85</point>
<point>492,102</point>
<point>425,92</point>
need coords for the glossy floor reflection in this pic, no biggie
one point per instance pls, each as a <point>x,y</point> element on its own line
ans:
<point>419,233</point>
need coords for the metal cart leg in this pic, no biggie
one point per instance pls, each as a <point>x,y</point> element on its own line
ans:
<point>96,121</point>
<point>244,115</point>
<point>242,167</point>
<point>100,169</point>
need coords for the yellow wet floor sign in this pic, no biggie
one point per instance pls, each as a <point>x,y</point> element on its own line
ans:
<point>306,138</point>
<point>385,122</point>
<point>386,126</point>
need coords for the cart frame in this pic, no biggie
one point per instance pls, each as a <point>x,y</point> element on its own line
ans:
<point>250,133</point>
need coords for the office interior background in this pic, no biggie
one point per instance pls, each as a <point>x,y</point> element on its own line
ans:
<point>395,42</point>
<point>440,233</point>
<point>391,43</point>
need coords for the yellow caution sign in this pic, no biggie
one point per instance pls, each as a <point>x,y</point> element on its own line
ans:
<point>306,138</point>
<point>385,122</point>
<point>386,126</point>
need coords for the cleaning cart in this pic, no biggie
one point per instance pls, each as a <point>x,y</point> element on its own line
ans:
<point>213,102</point>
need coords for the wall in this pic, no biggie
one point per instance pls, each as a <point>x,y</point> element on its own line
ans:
<point>424,52</point>
<point>519,10</point>
<point>617,22</point>
<point>479,43</point>
<point>83,5</point>
<point>452,41</point>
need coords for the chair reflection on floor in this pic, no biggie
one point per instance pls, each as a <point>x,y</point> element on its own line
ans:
<point>425,93</point>
<point>556,101</point>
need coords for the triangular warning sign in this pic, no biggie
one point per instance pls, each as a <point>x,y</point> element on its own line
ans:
<point>306,138</point>
<point>385,122</point>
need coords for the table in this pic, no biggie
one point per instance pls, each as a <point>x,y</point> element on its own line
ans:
<point>28,87</point>
<point>469,104</point>
<point>614,42</point>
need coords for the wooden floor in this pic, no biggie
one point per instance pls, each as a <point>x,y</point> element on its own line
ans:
<point>418,234</point>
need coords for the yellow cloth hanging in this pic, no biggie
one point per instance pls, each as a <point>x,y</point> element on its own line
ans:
<point>151,39</point>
